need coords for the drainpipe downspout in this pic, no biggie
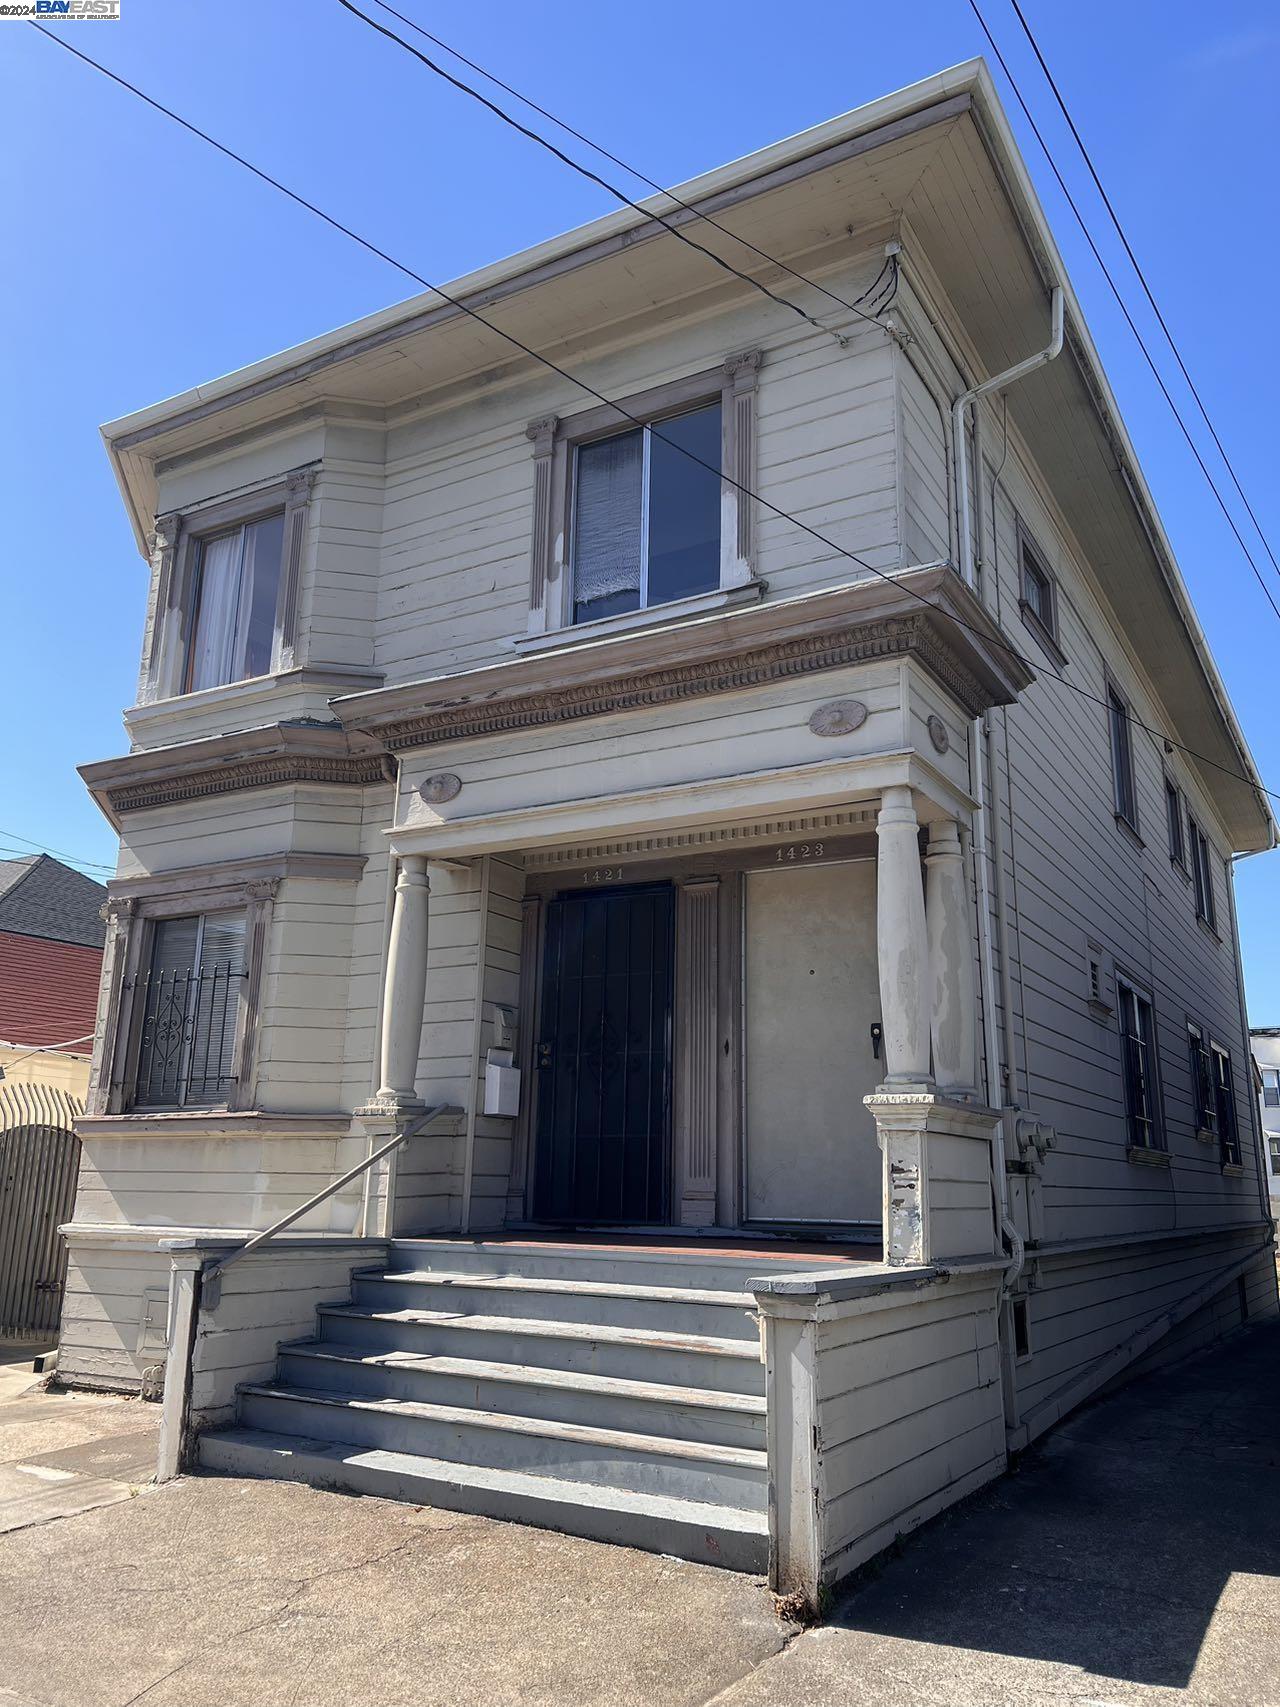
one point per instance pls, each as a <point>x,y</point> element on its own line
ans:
<point>980,750</point>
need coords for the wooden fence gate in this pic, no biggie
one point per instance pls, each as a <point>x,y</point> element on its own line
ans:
<point>39,1163</point>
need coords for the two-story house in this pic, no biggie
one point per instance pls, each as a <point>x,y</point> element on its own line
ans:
<point>736,822</point>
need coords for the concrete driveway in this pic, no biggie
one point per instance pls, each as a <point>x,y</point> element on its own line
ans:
<point>1132,1558</point>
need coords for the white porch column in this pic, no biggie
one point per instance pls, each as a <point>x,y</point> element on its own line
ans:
<point>953,1019</point>
<point>902,942</point>
<point>405,989</point>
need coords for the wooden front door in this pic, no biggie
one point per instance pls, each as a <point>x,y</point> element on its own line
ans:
<point>603,1057</point>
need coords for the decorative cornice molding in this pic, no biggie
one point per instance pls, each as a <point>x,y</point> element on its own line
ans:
<point>250,773</point>
<point>915,634</point>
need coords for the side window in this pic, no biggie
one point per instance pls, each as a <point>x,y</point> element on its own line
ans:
<point>1271,1087</point>
<point>1201,872</point>
<point>1038,595</point>
<point>1123,781</point>
<point>1173,816</point>
<point>1204,1097</point>
<point>1140,1067</point>
<point>1225,1098</point>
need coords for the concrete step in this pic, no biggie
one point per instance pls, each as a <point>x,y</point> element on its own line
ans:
<point>705,1532</point>
<point>727,1315</point>
<point>555,1395</point>
<point>640,1265</point>
<point>682,1360</point>
<point>653,1464</point>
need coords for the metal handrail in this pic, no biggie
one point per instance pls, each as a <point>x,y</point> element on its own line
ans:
<point>216,1270</point>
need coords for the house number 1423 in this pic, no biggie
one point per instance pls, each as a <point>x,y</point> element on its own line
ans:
<point>799,850</point>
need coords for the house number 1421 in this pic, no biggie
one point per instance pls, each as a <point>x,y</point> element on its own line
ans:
<point>603,874</point>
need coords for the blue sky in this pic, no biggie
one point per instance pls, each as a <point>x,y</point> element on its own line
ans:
<point>140,263</point>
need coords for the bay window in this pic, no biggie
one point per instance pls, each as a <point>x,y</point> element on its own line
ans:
<point>188,1001</point>
<point>237,589</point>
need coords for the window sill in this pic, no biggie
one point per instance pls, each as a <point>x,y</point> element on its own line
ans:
<point>1044,636</point>
<point>1180,870</point>
<point>331,679</point>
<point>1146,1157</point>
<point>1129,830</point>
<point>1100,1010</point>
<point>652,616</point>
<point>1204,1136</point>
<point>1208,929</point>
<point>207,1122</point>
<point>1234,1169</point>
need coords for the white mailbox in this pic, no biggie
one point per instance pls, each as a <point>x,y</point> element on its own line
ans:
<point>501,1083</point>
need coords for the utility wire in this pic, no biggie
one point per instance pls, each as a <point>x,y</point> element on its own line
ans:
<point>1142,280</point>
<point>1253,783</point>
<point>595,178</point>
<point>1115,291</point>
<point>635,172</point>
<point>54,853</point>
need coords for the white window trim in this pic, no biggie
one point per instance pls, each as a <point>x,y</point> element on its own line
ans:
<point>554,442</point>
<point>131,912</point>
<point>175,555</point>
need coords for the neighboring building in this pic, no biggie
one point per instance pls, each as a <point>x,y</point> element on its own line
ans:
<point>503,777</point>
<point>51,934</point>
<point>1265,1042</point>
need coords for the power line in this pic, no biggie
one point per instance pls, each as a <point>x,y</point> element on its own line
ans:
<point>599,148</point>
<point>1254,783</point>
<point>1142,280</point>
<point>1115,291</point>
<point>594,177</point>
<point>54,853</point>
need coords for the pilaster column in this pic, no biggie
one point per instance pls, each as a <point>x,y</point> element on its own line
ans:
<point>405,989</point>
<point>953,1018</point>
<point>902,942</point>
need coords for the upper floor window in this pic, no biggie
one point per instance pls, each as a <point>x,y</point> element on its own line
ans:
<point>1038,595</point>
<point>651,513</point>
<point>646,515</point>
<point>1201,872</point>
<point>1141,1092</point>
<point>236,593</point>
<point>1271,1087</point>
<point>1124,784</point>
<point>187,1003</point>
<point>226,590</point>
<point>1173,816</point>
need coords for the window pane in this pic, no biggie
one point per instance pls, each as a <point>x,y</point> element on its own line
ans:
<point>1173,809</point>
<point>166,996</point>
<point>1121,759</point>
<point>1035,589</point>
<point>607,536</point>
<point>215,1007</point>
<point>259,588</point>
<point>218,585</point>
<point>684,506</point>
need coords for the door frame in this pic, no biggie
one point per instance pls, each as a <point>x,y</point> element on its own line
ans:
<point>694,1204</point>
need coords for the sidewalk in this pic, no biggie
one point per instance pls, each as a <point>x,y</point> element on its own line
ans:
<point>1132,1559</point>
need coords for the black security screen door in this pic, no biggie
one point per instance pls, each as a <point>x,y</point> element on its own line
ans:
<point>604,1057</point>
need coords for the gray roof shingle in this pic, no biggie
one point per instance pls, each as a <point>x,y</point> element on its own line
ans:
<point>41,897</point>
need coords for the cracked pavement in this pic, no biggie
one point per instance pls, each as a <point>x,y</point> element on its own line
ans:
<point>1133,1558</point>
